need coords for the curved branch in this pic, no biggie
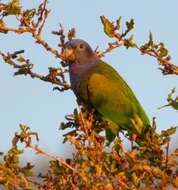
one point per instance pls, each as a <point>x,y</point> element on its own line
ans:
<point>25,69</point>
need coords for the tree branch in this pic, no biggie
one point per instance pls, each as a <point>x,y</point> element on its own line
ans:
<point>60,160</point>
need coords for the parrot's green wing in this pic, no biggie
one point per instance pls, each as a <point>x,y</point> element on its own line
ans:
<point>110,95</point>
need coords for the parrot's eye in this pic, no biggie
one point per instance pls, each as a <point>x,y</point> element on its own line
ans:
<point>81,46</point>
<point>69,47</point>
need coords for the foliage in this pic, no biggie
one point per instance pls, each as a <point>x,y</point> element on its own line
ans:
<point>173,102</point>
<point>95,164</point>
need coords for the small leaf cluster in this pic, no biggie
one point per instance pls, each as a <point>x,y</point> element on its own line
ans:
<point>114,31</point>
<point>12,8</point>
<point>173,102</point>
<point>158,51</point>
<point>12,174</point>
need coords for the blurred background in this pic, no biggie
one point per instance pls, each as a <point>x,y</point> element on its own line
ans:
<point>31,102</point>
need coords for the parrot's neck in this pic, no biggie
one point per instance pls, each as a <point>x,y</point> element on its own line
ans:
<point>78,71</point>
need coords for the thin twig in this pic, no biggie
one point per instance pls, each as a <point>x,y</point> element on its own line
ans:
<point>46,12</point>
<point>110,48</point>
<point>40,151</point>
<point>19,30</point>
<point>167,154</point>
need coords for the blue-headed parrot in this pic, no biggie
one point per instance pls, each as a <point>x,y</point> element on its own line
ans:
<point>98,86</point>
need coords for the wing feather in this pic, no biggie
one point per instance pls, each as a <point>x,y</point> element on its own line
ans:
<point>110,95</point>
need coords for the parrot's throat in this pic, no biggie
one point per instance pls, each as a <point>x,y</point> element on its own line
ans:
<point>78,72</point>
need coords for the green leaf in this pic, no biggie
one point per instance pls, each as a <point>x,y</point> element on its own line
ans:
<point>108,26</point>
<point>29,13</point>
<point>130,25</point>
<point>175,182</point>
<point>134,177</point>
<point>12,157</point>
<point>3,24</point>
<point>24,128</point>
<point>118,21</point>
<point>128,43</point>
<point>173,90</point>
<point>54,165</point>
<point>169,132</point>
<point>160,173</point>
<point>163,52</point>
<point>27,170</point>
<point>114,167</point>
<point>15,139</point>
<point>13,8</point>
<point>174,104</point>
<point>141,167</point>
<point>169,98</point>
<point>21,59</point>
<point>150,43</point>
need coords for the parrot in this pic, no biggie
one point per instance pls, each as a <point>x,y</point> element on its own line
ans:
<point>99,86</point>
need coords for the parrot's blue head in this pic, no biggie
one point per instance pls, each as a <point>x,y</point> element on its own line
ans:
<point>81,60</point>
<point>79,52</point>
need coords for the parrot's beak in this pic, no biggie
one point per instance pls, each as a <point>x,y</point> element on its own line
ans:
<point>69,54</point>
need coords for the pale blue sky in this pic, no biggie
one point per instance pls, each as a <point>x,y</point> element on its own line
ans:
<point>33,103</point>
